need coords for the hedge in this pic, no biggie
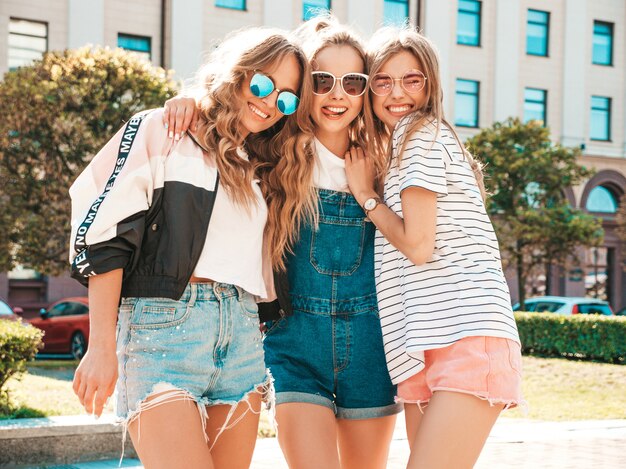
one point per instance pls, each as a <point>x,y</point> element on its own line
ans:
<point>19,343</point>
<point>588,337</point>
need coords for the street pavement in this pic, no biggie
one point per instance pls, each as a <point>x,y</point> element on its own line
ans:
<point>513,443</point>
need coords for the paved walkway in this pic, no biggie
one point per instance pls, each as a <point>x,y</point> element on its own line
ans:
<point>515,444</point>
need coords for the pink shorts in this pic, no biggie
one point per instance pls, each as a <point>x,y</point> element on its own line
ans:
<point>489,368</point>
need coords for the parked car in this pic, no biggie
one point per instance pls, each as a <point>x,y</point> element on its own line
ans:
<point>565,305</point>
<point>621,312</point>
<point>6,312</point>
<point>66,326</point>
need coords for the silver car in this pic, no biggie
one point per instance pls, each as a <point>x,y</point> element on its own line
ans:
<point>565,305</point>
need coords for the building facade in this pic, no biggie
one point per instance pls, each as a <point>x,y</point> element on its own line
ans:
<point>559,61</point>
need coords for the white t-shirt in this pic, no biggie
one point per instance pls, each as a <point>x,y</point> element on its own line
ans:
<point>232,252</point>
<point>461,291</point>
<point>329,171</point>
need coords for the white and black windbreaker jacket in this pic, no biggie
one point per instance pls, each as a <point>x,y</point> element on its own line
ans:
<point>143,204</point>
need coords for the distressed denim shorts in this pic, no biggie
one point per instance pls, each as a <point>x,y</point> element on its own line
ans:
<point>330,352</point>
<point>206,346</point>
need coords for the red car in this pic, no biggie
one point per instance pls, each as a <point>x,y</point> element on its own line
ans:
<point>66,326</point>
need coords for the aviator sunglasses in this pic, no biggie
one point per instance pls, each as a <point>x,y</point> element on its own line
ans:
<point>412,81</point>
<point>352,84</point>
<point>262,86</point>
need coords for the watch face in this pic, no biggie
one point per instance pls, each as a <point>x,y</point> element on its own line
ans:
<point>369,204</point>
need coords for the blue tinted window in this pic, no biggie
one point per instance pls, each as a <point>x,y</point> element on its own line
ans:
<point>5,309</point>
<point>312,8</point>
<point>396,11</point>
<point>466,103</point>
<point>468,23</point>
<point>600,118</point>
<point>602,200</point>
<point>139,44</point>
<point>234,4</point>
<point>535,105</point>
<point>537,32</point>
<point>602,43</point>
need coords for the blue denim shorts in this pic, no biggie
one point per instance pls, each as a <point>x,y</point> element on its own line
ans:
<point>330,352</point>
<point>206,345</point>
<point>331,360</point>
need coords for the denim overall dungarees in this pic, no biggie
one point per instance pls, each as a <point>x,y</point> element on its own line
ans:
<point>330,351</point>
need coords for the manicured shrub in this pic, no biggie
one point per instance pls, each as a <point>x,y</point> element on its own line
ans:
<point>585,336</point>
<point>19,343</point>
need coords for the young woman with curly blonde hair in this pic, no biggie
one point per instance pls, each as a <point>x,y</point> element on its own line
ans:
<point>174,230</point>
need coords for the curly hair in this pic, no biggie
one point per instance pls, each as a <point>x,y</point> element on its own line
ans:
<point>384,44</point>
<point>278,155</point>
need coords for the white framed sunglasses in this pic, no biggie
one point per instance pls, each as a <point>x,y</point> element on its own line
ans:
<point>353,84</point>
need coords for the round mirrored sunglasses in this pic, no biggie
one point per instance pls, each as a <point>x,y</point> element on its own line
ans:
<point>413,81</point>
<point>352,84</point>
<point>262,86</point>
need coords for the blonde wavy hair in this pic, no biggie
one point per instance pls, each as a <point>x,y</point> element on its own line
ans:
<point>384,44</point>
<point>278,155</point>
<point>324,31</point>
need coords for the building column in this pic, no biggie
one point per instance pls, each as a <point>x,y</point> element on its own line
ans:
<point>4,285</point>
<point>507,60</point>
<point>575,60</point>
<point>85,23</point>
<point>187,37</point>
<point>278,14</point>
<point>438,26</point>
<point>363,15</point>
<point>623,117</point>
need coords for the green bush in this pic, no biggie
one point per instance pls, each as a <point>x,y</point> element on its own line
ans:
<point>19,343</point>
<point>589,337</point>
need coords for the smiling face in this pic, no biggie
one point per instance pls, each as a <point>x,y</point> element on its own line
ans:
<point>397,104</point>
<point>261,113</point>
<point>333,112</point>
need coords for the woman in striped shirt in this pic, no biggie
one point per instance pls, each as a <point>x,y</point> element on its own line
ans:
<point>450,338</point>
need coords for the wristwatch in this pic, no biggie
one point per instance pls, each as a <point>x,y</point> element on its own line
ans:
<point>370,204</point>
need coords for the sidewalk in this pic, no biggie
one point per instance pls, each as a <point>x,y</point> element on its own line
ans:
<point>515,444</point>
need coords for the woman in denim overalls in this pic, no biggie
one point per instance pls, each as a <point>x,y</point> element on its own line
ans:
<point>334,399</point>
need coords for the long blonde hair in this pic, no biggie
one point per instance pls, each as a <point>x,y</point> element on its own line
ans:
<point>385,43</point>
<point>277,155</point>
<point>325,31</point>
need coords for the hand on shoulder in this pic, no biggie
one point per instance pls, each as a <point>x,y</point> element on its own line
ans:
<point>180,114</point>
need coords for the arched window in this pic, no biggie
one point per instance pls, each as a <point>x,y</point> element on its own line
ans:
<point>533,193</point>
<point>603,200</point>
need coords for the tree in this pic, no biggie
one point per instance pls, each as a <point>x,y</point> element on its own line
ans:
<point>526,175</point>
<point>58,112</point>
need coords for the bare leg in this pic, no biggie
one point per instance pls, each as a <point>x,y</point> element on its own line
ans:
<point>364,444</point>
<point>307,434</point>
<point>170,435</point>
<point>452,431</point>
<point>234,447</point>
<point>413,417</point>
